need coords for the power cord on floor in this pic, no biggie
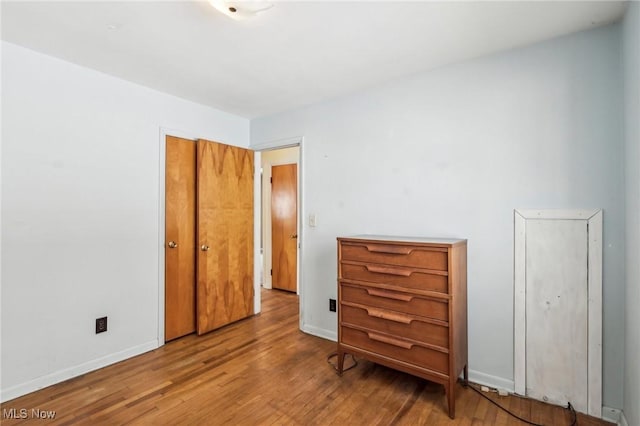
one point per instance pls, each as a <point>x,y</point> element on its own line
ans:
<point>335,366</point>
<point>569,407</point>
<point>573,413</point>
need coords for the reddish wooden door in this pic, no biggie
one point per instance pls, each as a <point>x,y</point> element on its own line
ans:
<point>284,226</point>
<point>225,235</point>
<point>180,228</point>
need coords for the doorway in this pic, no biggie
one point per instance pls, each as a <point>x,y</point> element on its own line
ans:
<point>280,219</point>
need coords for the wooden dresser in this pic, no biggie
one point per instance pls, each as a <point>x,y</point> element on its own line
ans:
<point>402,303</point>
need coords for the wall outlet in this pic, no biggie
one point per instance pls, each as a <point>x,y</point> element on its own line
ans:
<point>101,325</point>
<point>332,305</point>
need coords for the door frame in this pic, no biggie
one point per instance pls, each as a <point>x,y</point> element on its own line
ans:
<point>593,217</point>
<point>268,239</point>
<point>268,146</point>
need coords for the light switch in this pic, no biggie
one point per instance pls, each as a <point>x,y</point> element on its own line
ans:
<point>312,220</point>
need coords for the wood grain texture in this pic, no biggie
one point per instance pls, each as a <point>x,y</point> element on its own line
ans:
<point>234,375</point>
<point>403,337</point>
<point>225,224</point>
<point>284,224</point>
<point>180,228</point>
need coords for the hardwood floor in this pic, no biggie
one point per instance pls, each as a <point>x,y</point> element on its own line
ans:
<point>263,370</point>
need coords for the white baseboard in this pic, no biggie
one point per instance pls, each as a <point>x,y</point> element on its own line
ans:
<point>319,332</point>
<point>62,375</point>
<point>623,420</point>
<point>611,414</point>
<point>491,381</point>
<point>614,415</point>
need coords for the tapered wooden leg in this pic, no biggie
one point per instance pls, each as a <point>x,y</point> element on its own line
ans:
<point>341,355</point>
<point>466,375</point>
<point>451,399</point>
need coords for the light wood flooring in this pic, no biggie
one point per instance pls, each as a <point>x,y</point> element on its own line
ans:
<point>263,371</point>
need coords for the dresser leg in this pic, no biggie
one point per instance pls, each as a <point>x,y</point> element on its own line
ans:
<point>341,355</point>
<point>466,375</point>
<point>451,398</point>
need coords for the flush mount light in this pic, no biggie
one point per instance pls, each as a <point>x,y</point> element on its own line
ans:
<point>238,9</point>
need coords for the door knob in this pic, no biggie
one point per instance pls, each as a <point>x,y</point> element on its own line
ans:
<point>173,244</point>
<point>294,236</point>
<point>204,247</point>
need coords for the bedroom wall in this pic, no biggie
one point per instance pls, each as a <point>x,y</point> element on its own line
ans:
<point>451,153</point>
<point>80,214</point>
<point>631,61</point>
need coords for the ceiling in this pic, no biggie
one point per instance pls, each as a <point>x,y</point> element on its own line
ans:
<point>294,54</point>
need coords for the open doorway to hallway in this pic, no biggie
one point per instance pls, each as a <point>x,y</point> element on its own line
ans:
<point>280,211</point>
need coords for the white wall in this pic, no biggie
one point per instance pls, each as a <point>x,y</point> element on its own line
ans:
<point>80,229</point>
<point>452,152</point>
<point>631,56</point>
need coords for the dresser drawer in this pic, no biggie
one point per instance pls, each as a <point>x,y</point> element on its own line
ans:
<point>396,323</point>
<point>391,254</point>
<point>396,301</point>
<point>402,276</point>
<point>396,348</point>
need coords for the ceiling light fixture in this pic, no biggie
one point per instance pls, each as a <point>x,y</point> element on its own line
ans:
<point>239,9</point>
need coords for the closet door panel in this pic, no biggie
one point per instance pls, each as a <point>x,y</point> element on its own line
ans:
<point>180,228</point>
<point>225,235</point>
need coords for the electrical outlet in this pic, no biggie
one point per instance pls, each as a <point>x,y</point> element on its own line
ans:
<point>101,325</point>
<point>332,305</point>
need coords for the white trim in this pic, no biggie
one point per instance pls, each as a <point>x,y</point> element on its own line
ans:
<point>519,300</point>
<point>319,332</point>
<point>594,307</point>
<point>623,420</point>
<point>257,229</point>
<point>278,144</point>
<point>490,380</point>
<point>612,415</point>
<point>594,279</point>
<point>66,374</point>
<point>568,214</point>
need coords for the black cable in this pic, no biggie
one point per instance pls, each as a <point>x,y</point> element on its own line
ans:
<point>574,415</point>
<point>504,409</point>
<point>335,367</point>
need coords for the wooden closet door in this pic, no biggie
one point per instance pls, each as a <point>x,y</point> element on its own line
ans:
<point>225,235</point>
<point>180,228</point>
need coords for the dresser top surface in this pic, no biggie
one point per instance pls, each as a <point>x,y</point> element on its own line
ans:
<point>401,239</point>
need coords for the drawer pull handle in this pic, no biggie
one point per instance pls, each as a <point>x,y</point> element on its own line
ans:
<point>389,271</point>
<point>391,316</point>
<point>394,296</point>
<point>390,340</point>
<point>389,249</point>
